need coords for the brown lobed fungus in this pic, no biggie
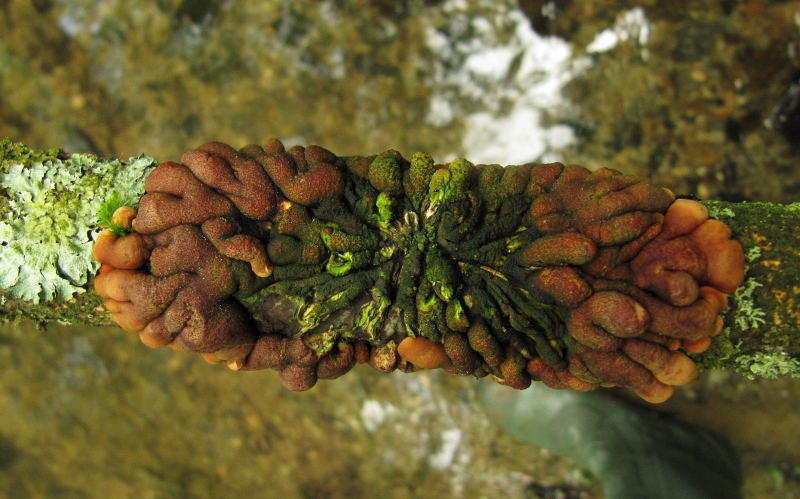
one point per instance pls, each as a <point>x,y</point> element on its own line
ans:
<point>309,263</point>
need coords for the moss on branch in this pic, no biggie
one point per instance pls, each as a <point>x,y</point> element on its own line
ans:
<point>50,203</point>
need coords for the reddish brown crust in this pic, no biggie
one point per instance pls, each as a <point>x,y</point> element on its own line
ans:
<point>224,235</point>
<point>550,250</point>
<point>581,327</point>
<point>337,362</point>
<point>670,367</point>
<point>693,251</point>
<point>184,249</point>
<point>298,378</point>
<point>686,260</point>
<point>539,370</point>
<point>362,352</point>
<point>175,196</point>
<point>672,279</point>
<point>271,146</point>
<point>305,182</point>
<point>690,322</point>
<point>543,177</point>
<point>552,223</point>
<point>570,174</point>
<point>620,229</point>
<point>573,382</point>
<point>241,179</point>
<point>456,346</point>
<point>126,252</point>
<point>616,313</point>
<point>636,195</point>
<point>564,285</point>
<point>606,207</point>
<point>268,353</point>
<point>300,367</point>
<point>544,205</point>
<point>615,367</point>
<point>513,370</point>
<point>223,329</point>
<point>134,297</point>
<point>188,230</point>
<point>359,165</point>
<point>579,370</point>
<point>610,259</point>
<point>482,341</point>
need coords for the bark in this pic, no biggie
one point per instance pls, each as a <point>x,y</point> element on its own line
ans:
<point>44,202</point>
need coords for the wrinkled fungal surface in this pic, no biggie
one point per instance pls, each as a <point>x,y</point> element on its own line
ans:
<point>308,263</point>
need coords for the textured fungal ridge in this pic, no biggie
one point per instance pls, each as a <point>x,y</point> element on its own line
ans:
<point>308,263</point>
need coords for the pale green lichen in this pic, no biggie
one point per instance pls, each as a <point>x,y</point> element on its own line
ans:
<point>772,364</point>
<point>716,213</point>
<point>775,360</point>
<point>754,254</point>
<point>51,217</point>
<point>746,314</point>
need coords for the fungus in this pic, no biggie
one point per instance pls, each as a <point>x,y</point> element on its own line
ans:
<point>423,353</point>
<point>121,252</point>
<point>307,263</point>
<point>304,176</point>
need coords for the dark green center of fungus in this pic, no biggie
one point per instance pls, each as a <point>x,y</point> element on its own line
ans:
<point>410,249</point>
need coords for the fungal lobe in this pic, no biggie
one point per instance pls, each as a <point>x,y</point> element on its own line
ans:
<point>307,263</point>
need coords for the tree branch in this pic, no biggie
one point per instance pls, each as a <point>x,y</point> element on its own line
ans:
<point>761,337</point>
<point>49,201</point>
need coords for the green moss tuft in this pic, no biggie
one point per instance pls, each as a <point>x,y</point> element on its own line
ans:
<point>106,211</point>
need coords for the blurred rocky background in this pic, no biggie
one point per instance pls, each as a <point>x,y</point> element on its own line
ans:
<point>701,95</point>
